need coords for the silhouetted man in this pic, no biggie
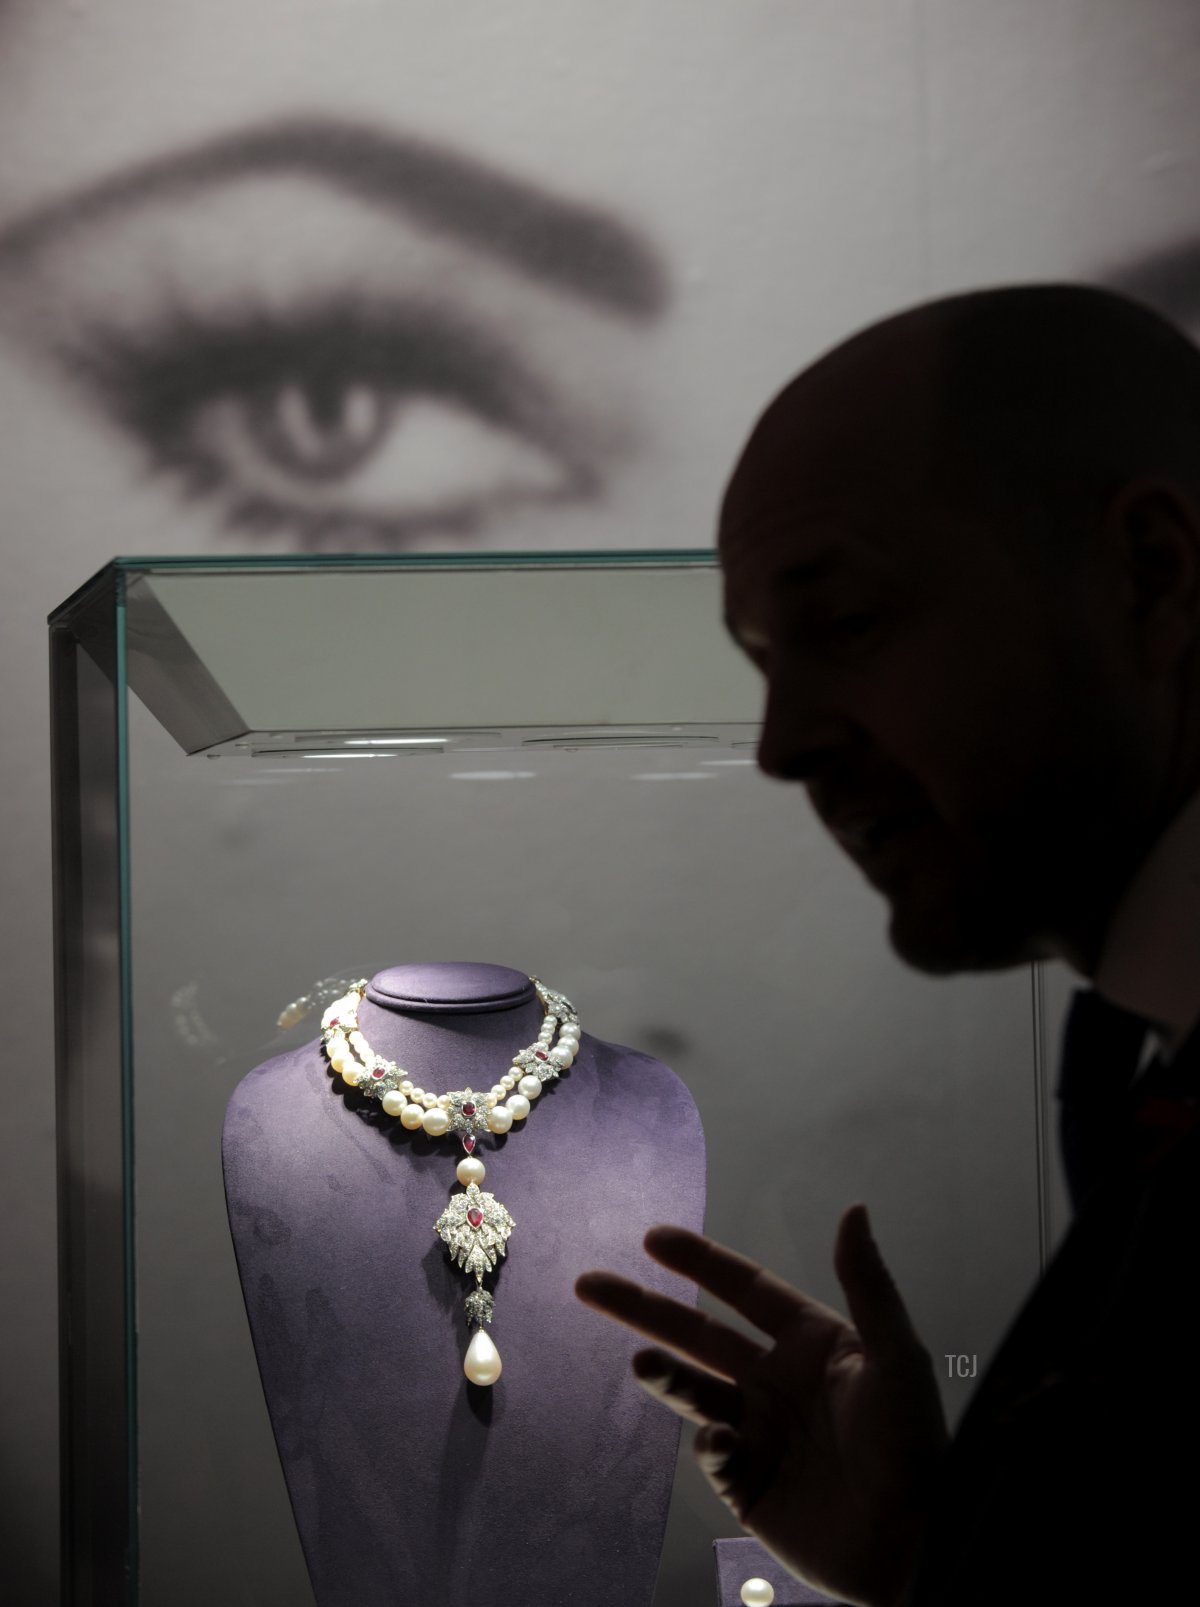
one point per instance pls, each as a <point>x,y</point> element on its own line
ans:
<point>964,550</point>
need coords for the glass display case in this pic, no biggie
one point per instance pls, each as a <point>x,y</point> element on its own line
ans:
<point>272,777</point>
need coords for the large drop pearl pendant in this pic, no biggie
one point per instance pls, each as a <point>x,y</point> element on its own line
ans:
<point>482,1363</point>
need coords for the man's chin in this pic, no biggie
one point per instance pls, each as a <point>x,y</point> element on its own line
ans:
<point>944,943</point>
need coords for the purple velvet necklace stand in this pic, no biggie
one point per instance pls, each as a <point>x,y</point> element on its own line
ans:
<point>411,1487</point>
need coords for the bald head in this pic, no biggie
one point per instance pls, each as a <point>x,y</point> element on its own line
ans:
<point>1035,401</point>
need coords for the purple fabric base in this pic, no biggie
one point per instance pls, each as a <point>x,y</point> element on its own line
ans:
<point>739,1560</point>
<point>408,1485</point>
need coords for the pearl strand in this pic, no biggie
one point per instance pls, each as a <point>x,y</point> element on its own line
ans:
<point>509,1100</point>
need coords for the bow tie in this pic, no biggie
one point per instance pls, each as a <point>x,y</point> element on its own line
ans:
<point>1102,1049</point>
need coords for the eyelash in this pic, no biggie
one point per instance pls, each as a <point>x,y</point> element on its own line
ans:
<point>157,382</point>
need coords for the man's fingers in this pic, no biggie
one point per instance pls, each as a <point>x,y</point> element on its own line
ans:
<point>692,1333</point>
<point>687,1390</point>
<point>768,1302</point>
<point>876,1308</point>
<point>720,1456</point>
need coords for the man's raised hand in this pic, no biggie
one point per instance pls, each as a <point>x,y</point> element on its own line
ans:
<point>824,1442</point>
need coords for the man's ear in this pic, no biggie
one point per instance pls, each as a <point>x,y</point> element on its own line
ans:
<point>1152,528</point>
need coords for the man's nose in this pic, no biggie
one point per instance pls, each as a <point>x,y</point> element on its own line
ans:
<point>801,735</point>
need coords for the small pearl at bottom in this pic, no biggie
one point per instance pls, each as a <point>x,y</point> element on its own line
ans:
<point>758,1592</point>
<point>482,1363</point>
<point>470,1170</point>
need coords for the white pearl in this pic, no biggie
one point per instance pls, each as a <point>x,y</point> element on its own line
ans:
<point>470,1170</point>
<point>351,1073</point>
<point>570,1036</point>
<point>758,1592</point>
<point>412,1117</point>
<point>562,1057</point>
<point>500,1119</point>
<point>497,1090</point>
<point>393,1102</point>
<point>519,1106</point>
<point>482,1363</point>
<point>508,1084</point>
<point>435,1122</point>
<point>416,1095</point>
<point>530,1086</point>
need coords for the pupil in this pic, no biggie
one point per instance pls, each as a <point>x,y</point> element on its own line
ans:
<point>321,429</point>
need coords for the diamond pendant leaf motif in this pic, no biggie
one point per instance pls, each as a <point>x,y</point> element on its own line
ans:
<point>475,1227</point>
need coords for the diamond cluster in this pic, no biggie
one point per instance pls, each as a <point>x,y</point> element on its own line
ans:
<point>467,1112</point>
<point>476,1227</point>
<point>479,1306</point>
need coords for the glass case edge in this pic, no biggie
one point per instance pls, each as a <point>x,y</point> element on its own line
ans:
<point>277,563</point>
<point>97,1467</point>
<point>285,563</point>
<point>125,1007</point>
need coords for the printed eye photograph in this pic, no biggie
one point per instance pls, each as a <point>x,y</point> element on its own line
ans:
<point>601,623</point>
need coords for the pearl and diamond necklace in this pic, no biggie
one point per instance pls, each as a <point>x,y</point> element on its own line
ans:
<point>474,1225</point>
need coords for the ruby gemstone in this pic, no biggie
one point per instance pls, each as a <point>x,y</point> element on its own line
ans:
<point>468,1144</point>
<point>468,1109</point>
<point>474,1216</point>
<point>378,1072</point>
<point>539,1054</point>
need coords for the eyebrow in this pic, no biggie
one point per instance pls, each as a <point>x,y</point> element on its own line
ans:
<point>580,249</point>
<point>806,573</point>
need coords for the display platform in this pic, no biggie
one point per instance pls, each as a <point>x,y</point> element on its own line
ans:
<point>276,777</point>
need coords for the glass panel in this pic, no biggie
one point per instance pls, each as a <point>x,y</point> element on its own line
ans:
<point>550,650</point>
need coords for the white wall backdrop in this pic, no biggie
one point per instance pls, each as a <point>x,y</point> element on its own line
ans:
<point>350,274</point>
